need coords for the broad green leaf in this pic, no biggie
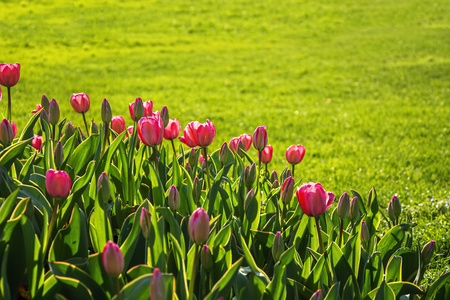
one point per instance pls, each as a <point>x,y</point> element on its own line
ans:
<point>96,270</point>
<point>436,286</point>
<point>7,207</point>
<point>384,292</point>
<point>394,269</point>
<point>373,274</point>
<point>352,250</point>
<point>140,287</point>
<point>4,286</point>
<point>11,153</point>
<point>224,284</point>
<point>400,288</point>
<point>27,131</point>
<point>138,271</point>
<point>333,293</point>
<point>277,287</point>
<point>173,225</point>
<point>27,168</point>
<point>340,267</point>
<point>100,227</point>
<point>73,288</point>
<point>287,256</point>
<point>392,241</point>
<point>37,198</point>
<point>251,262</point>
<point>182,286</point>
<point>83,154</point>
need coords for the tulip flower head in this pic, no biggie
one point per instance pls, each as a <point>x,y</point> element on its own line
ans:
<point>344,205</point>
<point>206,258</point>
<point>37,142</point>
<point>198,226</point>
<point>38,108</point>
<point>174,198</point>
<point>148,107</point>
<point>223,153</point>
<point>314,199</point>
<point>112,259</point>
<point>150,130</point>
<point>9,74</point>
<point>266,154</point>
<point>6,132</point>
<point>106,111</point>
<point>294,154</point>
<point>136,109</point>
<point>247,139</point>
<point>172,130</point>
<point>53,112</point>
<point>57,183</point>
<point>196,134</point>
<point>234,142</point>
<point>277,247</point>
<point>44,102</point>
<point>287,191</point>
<point>428,252</point>
<point>118,124</point>
<point>80,102</point>
<point>260,138</point>
<point>157,286</point>
<point>164,115</point>
<point>145,222</point>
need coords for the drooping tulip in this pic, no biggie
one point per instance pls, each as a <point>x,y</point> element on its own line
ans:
<point>118,124</point>
<point>260,138</point>
<point>9,74</point>
<point>198,226</point>
<point>172,130</point>
<point>80,102</point>
<point>314,199</point>
<point>294,154</point>
<point>150,131</point>
<point>112,259</point>
<point>196,134</point>
<point>266,154</point>
<point>57,183</point>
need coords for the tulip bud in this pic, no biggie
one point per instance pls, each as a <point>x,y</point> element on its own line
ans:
<point>70,130</point>
<point>223,154</point>
<point>240,148</point>
<point>103,189</point>
<point>37,142</point>
<point>44,117</point>
<point>206,258</point>
<point>145,222</point>
<point>343,206</point>
<point>275,184</point>
<point>58,155</point>
<point>391,212</point>
<point>118,124</point>
<point>94,127</point>
<point>287,191</point>
<point>148,107</point>
<point>6,132</point>
<point>157,286</point>
<point>260,138</point>
<point>250,175</point>
<point>397,206</point>
<point>192,157</point>
<point>57,183</point>
<point>198,226</point>
<point>164,115</point>
<point>45,103</point>
<point>106,112</point>
<point>174,198</point>
<point>317,295</point>
<point>273,177</point>
<point>112,259</point>
<point>138,109</point>
<point>277,247</point>
<point>428,252</point>
<point>196,189</point>
<point>354,209</point>
<point>188,168</point>
<point>248,198</point>
<point>365,234</point>
<point>53,112</point>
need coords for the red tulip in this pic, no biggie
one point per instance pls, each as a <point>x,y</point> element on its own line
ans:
<point>287,191</point>
<point>136,108</point>
<point>7,133</point>
<point>9,74</point>
<point>150,130</point>
<point>196,134</point>
<point>37,142</point>
<point>198,226</point>
<point>148,107</point>
<point>313,199</point>
<point>294,154</point>
<point>0,94</point>
<point>80,102</point>
<point>38,108</point>
<point>57,183</point>
<point>130,130</point>
<point>260,138</point>
<point>172,129</point>
<point>234,142</point>
<point>266,154</point>
<point>112,259</point>
<point>118,124</point>
<point>246,140</point>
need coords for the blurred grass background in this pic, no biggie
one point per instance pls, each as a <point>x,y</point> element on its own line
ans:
<point>363,85</point>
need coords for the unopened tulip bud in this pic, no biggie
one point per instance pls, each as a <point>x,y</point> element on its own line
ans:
<point>275,184</point>
<point>206,258</point>
<point>112,259</point>
<point>354,209</point>
<point>365,234</point>
<point>45,103</point>
<point>249,198</point>
<point>164,115</point>
<point>106,112</point>
<point>103,188</point>
<point>273,176</point>
<point>174,198</point>
<point>287,191</point>
<point>70,130</point>
<point>192,161</point>
<point>94,127</point>
<point>250,175</point>
<point>277,247</point>
<point>391,212</point>
<point>240,148</point>
<point>343,206</point>
<point>198,226</point>
<point>196,189</point>
<point>317,295</point>
<point>397,206</point>
<point>43,117</point>
<point>58,155</point>
<point>6,132</point>
<point>260,138</point>
<point>223,154</point>
<point>188,168</point>
<point>53,112</point>
<point>157,286</point>
<point>37,142</point>
<point>145,222</point>
<point>138,109</point>
<point>428,252</point>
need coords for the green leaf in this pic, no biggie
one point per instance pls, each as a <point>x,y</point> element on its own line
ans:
<point>27,131</point>
<point>100,227</point>
<point>287,256</point>
<point>37,198</point>
<point>140,287</point>
<point>7,207</point>
<point>182,286</point>
<point>384,292</point>
<point>277,287</point>
<point>27,168</point>
<point>394,269</point>
<point>352,250</point>
<point>11,153</point>
<point>222,287</point>
<point>333,293</point>
<point>437,286</point>
<point>400,289</point>
<point>83,154</point>
<point>4,286</point>
<point>373,273</point>
<point>251,262</point>
<point>340,266</point>
<point>97,271</point>
<point>392,241</point>
<point>173,225</point>
<point>73,288</point>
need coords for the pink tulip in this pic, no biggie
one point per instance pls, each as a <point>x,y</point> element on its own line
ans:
<point>196,134</point>
<point>9,74</point>
<point>130,130</point>
<point>260,138</point>
<point>313,199</point>
<point>198,226</point>
<point>287,190</point>
<point>112,259</point>
<point>0,93</point>
<point>150,131</point>
<point>294,154</point>
<point>7,133</point>
<point>148,107</point>
<point>38,108</point>
<point>80,102</point>
<point>57,183</point>
<point>140,108</point>
<point>234,142</point>
<point>266,154</point>
<point>247,141</point>
<point>172,129</point>
<point>157,286</point>
<point>37,142</point>
<point>118,124</point>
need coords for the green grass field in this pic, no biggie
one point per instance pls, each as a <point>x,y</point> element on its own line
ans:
<point>363,85</point>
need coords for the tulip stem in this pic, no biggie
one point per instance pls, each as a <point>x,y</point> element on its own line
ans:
<point>174,151</point>
<point>9,104</point>
<point>341,228</point>
<point>85,124</point>
<point>105,137</point>
<point>293,168</point>
<point>52,224</point>
<point>117,288</point>
<point>259,173</point>
<point>205,155</point>
<point>155,159</point>
<point>194,269</point>
<point>283,215</point>
<point>322,249</point>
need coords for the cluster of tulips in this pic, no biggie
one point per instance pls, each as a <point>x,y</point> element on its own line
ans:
<point>113,190</point>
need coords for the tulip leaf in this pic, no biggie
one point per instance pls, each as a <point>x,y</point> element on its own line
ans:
<point>373,274</point>
<point>223,285</point>
<point>251,262</point>
<point>156,187</point>
<point>391,242</point>
<point>437,286</point>
<point>4,286</point>
<point>24,175</point>
<point>277,287</point>
<point>340,267</point>
<point>7,207</point>
<point>73,288</point>
<point>96,270</point>
<point>175,229</point>
<point>27,131</point>
<point>83,154</point>
<point>394,269</point>
<point>352,250</point>
<point>100,227</point>
<point>182,285</point>
<point>384,292</point>
<point>12,152</point>
<point>287,256</point>
<point>139,288</point>
<point>333,293</point>
<point>138,271</point>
